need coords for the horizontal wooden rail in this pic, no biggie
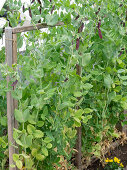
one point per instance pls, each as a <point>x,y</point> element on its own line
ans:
<point>33,27</point>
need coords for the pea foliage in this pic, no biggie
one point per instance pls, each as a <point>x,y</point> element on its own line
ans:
<point>48,88</point>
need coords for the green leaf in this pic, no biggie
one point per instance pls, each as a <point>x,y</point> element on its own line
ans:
<point>116,135</point>
<point>21,116</point>
<point>28,140</point>
<point>41,91</point>
<point>51,19</point>
<point>47,140</point>
<point>124,105</point>
<point>79,113</point>
<point>77,122</point>
<point>19,142</point>
<point>49,146</point>
<point>65,104</point>
<point>19,41</point>
<point>97,153</point>
<point>44,151</point>
<point>32,119</point>
<point>45,113</point>
<point>40,157</point>
<point>15,157</point>
<point>77,94</point>
<point>45,110</point>
<point>108,81</point>
<point>119,61</point>
<point>28,163</point>
<point>71,133</point>
<point>38,134</point>
<point>87,86</point>
<point>86,118</point>
<point>19,164</point>
<point>40,123</point>
<point>17,94</point>
<point>117,98</point>
<point>12,166</point>
<point>123,77</point>
<point>124,83</point>
<point>30,129</point>
<point>121,71</point>
<point>112,95</point>
<point>4,121</point>
<point>34,152</point>
<point>88,110</point>
<point>124,123</point>
<point>86,59</point>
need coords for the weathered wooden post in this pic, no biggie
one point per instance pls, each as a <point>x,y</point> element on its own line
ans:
<point>14,61</point>
<point>79,134</point>
<point>10,102</point>
<point>11,58</point>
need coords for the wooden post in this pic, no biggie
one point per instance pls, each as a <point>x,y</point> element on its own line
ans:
<point>10,103</point>
<point>79,134</point>
<point>14,61</point>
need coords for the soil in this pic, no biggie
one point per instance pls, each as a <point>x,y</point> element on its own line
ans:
<point>119,152</point>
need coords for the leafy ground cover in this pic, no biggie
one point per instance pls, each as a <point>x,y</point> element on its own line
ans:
<point>53,99</point>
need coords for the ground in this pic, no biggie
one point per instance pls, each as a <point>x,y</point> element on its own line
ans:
<point>119,152</point>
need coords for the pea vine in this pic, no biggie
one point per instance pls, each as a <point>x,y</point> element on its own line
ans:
<point>49,90</point>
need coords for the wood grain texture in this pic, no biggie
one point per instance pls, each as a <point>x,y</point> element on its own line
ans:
<point>34,27</point>
<point>10,104</point>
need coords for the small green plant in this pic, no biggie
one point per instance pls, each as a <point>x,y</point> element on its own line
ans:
<point>113,164</point>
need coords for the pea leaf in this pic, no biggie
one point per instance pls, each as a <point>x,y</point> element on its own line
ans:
<point>47,140</point>
<point>86,59</point>
<point>15,157</point>
<point>79,113</point>
<point>49,146</point>
<point>108,81</point>
<point>38,134</point>
<point>40,157</point>
<point>78,94</point>
<point>44,151</point>
<point>31,129</point>
<point>21,116</point>
<point>51,19</point>
<point>19,164</point>
<point>88,110</point>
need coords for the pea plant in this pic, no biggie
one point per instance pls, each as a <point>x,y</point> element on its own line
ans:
<point>53,99</point>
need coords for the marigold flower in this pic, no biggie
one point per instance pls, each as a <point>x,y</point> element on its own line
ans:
<point>116,160</point>
<point>107,160</point>
<point>121,165</point>
<point>111,160</point>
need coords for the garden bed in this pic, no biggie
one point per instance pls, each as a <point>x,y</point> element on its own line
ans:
<point>119,150</point>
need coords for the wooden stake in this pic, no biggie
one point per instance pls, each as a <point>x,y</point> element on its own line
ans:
<point>15,102</point>
<point>10,104</point>
<point>15,62</point>
<point>79,135</point>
